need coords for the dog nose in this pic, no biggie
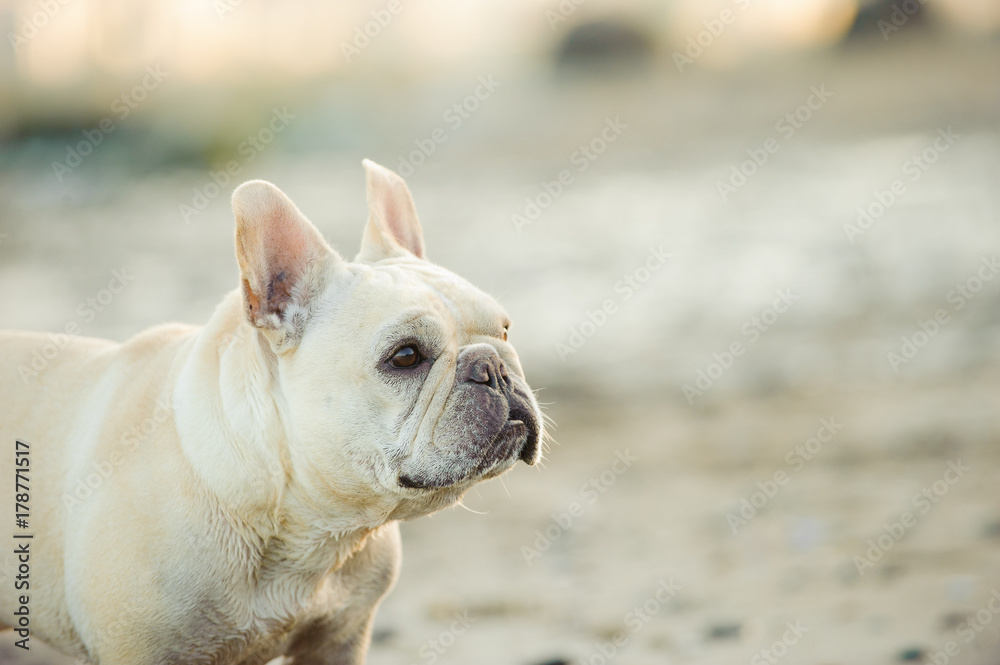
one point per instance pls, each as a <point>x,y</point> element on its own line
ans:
<point>482,364</point>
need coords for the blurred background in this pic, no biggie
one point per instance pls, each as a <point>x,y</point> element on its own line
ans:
<point>749,248</point>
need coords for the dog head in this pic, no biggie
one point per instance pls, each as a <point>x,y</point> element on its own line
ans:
<point>395,377</point>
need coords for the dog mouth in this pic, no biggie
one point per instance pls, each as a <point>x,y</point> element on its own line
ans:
<point>516,440</point>
<point>523,425</point>
<point>413,484</point>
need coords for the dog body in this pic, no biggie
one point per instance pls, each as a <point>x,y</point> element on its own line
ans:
<point>230,493</point>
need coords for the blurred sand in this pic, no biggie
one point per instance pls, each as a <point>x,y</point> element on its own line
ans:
<point>665,517</point>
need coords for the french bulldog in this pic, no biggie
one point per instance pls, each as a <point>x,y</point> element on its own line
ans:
<point>243,481</point>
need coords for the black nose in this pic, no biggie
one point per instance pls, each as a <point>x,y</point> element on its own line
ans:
<point>485,367</point>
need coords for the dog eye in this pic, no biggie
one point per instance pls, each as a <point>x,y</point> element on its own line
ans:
<point>405,357</point>
<point>505,328</point>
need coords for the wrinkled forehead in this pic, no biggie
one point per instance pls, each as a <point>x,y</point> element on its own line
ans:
<point>415,284</point>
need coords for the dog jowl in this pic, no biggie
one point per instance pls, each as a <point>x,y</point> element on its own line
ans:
<point>324,401</point>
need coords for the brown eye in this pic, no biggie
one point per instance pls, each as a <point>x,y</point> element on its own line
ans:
<point>505,333</point>
<point>405,357</point>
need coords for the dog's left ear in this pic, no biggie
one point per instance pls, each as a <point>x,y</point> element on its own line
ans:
<point>283,261</point>
<point>393,228</point>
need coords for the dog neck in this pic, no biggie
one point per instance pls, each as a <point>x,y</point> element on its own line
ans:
<point>239,450</point>
<point>231,373</point>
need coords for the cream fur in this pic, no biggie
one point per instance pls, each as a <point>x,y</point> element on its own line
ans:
<point>247,498</point>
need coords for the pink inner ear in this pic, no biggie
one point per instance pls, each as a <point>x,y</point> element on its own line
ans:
<point>285,246</point>
<point>393,211</point>
<point>275,245</point>
<point>287,252</point>
<point>402,231</point>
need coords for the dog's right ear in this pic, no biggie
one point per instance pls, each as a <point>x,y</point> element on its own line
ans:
<point>393,228</point>
<point>283,261</point>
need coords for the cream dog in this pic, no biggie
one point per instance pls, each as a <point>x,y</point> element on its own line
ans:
<point>250,473</point>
